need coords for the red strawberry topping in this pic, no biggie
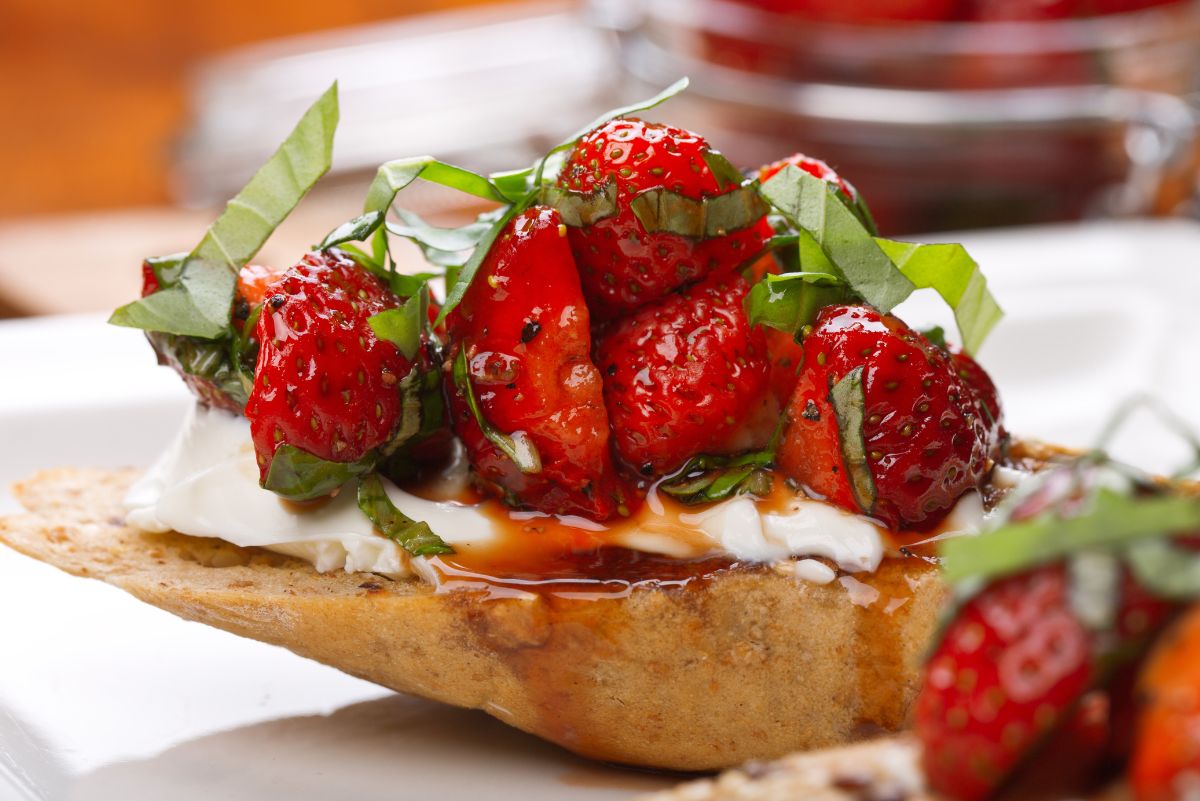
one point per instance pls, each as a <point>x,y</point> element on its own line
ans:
<point>621,266</point>
<point>324,383</point>
<point>922,440</point>
<point>812,166</point>
<point>1008,670</point>
<point>983,390</point>
<point>686,376</point>
<point>526,331</point>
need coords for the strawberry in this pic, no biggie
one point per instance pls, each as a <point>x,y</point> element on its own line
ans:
<point>526,333</point>
<point>985,394</point>
<point>687,375</point>
<point>814,167</point>
<point>1166,755</point>
<point>324,383</point>
<point>621,266</point>
<point>1009,669</point>
<point>920,431</point>
<point>207,367</point>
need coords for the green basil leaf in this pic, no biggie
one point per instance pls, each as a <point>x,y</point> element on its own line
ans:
<point>429,237</point>
<point>670,212</point>
<point>849,406</point>
<point>722,169</point>
<point>1165,569</point>
<point>356,230</point>
<point>200,302</point>
<point>393,176</point>
<point>950,270</point>
<point>167,269</point>
<point>791,301</point>
<point>539,170</point>
<point>403,326</point>
<point>415,537</point>
<point>297,475</point>
<point>462,280</point>
<point>936,335</point>
<point>521,451</point>
<point>818,209</point>
<point>707,478</point>
<point>211,360</point>
<point>1109,520</point>
<point>513,184</point>
<point>578,209</point>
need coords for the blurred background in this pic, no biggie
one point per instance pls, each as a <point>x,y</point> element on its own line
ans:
<point>127,130</point>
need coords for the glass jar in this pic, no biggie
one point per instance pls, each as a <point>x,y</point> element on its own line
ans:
<point>943,125</point>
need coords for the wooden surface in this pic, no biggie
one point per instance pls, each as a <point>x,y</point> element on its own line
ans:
<point>91,261</point>
<point>95,92</point>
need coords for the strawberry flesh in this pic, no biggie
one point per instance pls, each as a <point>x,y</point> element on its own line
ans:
<point>526,329</point>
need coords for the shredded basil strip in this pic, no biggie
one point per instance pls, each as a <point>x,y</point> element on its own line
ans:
<point>199,301</point>
<point>1109,520</point>
<point>413,536</point>
<point>845,245</point>
<point>849,406</point>
<point>393,176</point>
<point>722,169</point>
<point>790,301</point>
<point>402,326</point>
<point>1166,569</point>
<point>713,478</point>
<point>298,475</point>
<point>950,270</point>
<point>833,238</point>
<point>523,453</point>
<point>666,211</point>
<point>578,209</point>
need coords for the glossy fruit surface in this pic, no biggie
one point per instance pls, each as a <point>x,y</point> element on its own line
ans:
<point>621,265</point>
<point>1007,671</point>
<point>526,332</point>
<point>921,433</point>
<point>687,375</point>
<point>324,383</point>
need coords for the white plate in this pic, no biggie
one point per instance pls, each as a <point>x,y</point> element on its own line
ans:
<point>102,697</point>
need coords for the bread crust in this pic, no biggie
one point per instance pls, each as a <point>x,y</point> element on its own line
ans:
<point>746,664</point>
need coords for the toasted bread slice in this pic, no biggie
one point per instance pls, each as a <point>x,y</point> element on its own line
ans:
<point>745,664</point>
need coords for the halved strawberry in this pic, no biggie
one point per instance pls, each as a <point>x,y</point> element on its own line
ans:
<point>525,330</point>
<point>687,375</point>
<point>880,421</point>
<point>621,266</point>
<point>324,383</point>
